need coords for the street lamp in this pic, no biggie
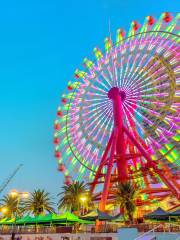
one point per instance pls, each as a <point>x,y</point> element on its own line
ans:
<point>15,193</point>
<point>18,195</point>
<point>4,210</point>
<point>83,200</point>
<point>25,195</point>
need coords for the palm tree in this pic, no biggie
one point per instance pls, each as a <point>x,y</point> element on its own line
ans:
<point>13,205</point>
<point>125,197</point>
<point>38,203</point>
<point>71,196</point>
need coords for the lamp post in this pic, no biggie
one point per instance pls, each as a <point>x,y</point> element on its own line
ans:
<point>18,195</point>
<point>83,200</point>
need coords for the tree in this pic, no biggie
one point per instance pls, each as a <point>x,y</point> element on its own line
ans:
<point>38,203</point>
<point>13,206</point>
<point>71,196</point>
<point>125,197</point>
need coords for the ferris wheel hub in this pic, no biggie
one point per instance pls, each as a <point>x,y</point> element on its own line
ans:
<point>114,92</point>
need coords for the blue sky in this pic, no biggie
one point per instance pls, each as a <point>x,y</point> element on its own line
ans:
<point>41,44</point>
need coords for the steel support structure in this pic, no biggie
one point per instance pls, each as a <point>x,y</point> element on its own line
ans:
<point>116,150</point>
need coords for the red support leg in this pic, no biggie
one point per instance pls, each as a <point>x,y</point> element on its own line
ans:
<point>121,160</point>
<point>104,158</point>
<point>108,174</point>
<point>172,187</point>
<point>117,97</point>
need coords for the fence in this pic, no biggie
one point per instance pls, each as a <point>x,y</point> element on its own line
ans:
<point>105,228</point>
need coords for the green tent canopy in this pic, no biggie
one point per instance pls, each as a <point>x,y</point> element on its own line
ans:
<point>50,218</point>
<point>9,221</point>
<point>3,221</point>
<point>25,220</point>
<point>81,221</point>
<point>53,218</point>
<point>36,220</point>
<point>64,218</point>
<point>68,216</point>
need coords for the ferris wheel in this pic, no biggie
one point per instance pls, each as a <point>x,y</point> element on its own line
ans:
<point>120,115</point>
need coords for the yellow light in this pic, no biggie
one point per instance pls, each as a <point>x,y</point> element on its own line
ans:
<point>83,199</point>
<point>4,210</point>
<point>13,193</point>
<point>25,194</point>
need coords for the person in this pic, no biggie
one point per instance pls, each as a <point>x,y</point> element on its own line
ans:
<point>19,238</point>
<point>13,236</point>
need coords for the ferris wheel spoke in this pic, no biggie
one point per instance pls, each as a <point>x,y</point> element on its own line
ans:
<point>102,84</point>
<point>100,126</point>
<point>133,74</point>
<point>95,118</point>
<point>116,72</point>
<point>92,123</point>
<point>133,118</point>
<point>133,70</point>
<point>133,80</point>
<point>110,74</point>
<point>124,77</point>
<point>106,80</point>
<point>147,121</point>
<point>88,107</point>
<point>91,96</point>
<point>129,124</point>
<point>97,108</point>
<point>121,71</point>
<point>97,89</point>
<point>108,126</point>
<point>144,80</point>
<point>94,101</point>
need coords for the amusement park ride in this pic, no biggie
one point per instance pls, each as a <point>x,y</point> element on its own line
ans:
<point>119,120</point>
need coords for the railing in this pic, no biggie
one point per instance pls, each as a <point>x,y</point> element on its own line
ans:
<point>173,227</point>
<point>36,230</point>
<point>161,227</point>
<point>168,227</point>
<point>105,228</point>
<point>151,234</point>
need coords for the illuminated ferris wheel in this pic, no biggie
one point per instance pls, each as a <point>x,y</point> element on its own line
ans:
<point>119,119</point>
